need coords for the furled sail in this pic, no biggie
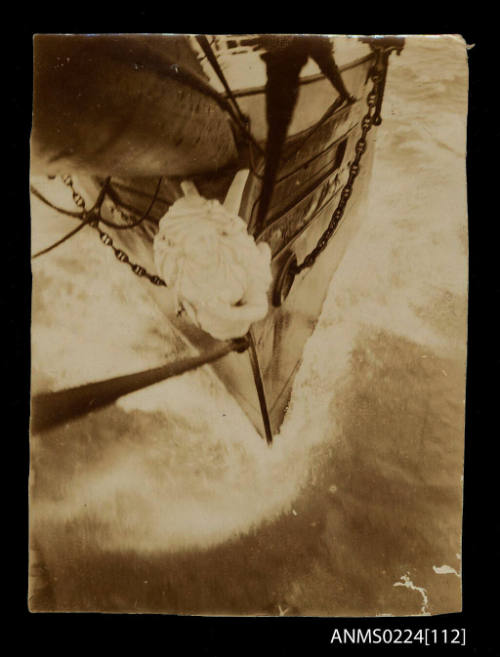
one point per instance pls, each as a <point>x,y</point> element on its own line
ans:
<point>125,105</point>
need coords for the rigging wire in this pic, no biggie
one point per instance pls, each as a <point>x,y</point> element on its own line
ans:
<point>209,53</point>
<point>139,221</point>
<point>41,197</point>
<point>92,217</point>
<point>63,239</point>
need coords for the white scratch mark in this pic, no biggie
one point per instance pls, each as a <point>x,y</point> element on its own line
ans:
<point>282,611</point>
<point>407,583</point>
<point>445,570</point>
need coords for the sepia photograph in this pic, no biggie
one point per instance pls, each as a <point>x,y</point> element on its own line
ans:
<point>249,260</point>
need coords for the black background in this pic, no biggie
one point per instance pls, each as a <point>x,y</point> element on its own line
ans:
<point>163,635</point>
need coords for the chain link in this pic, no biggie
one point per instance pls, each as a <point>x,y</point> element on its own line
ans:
<point>367,122</point>
<point>77,198</point>
<point>93,217</point>
<point>120,255</point>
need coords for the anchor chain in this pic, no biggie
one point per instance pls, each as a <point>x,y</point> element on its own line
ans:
<point>93,217</point>
<point>120,255</point>
<point>377,74</point>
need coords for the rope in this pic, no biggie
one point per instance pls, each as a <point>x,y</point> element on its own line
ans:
<point>139,221</point>
<point>207,49</point>
<point>237,115</point>
<point>63,239</point>
<point>93,216</point>
<point>36,193</point>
